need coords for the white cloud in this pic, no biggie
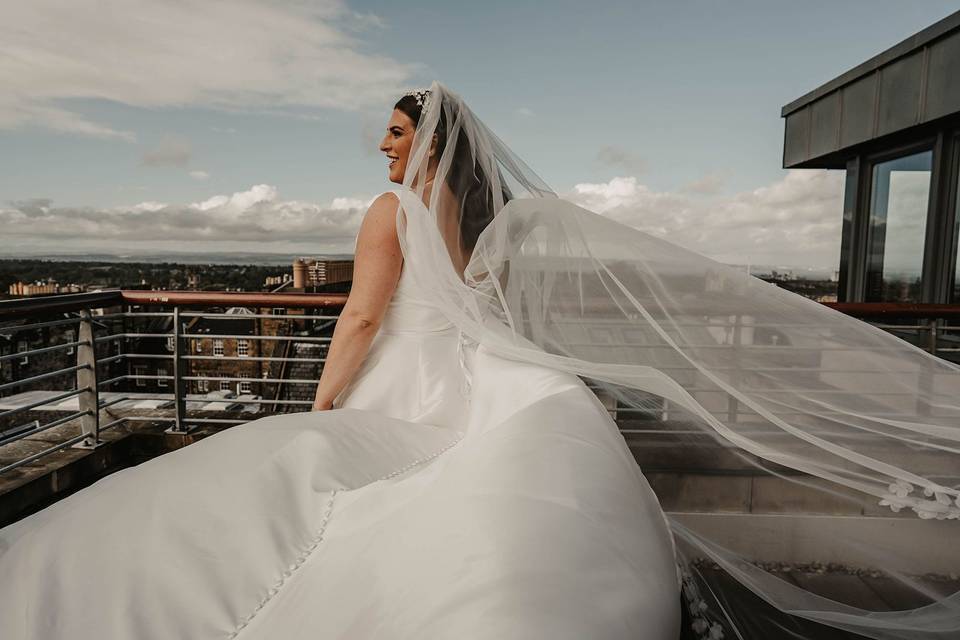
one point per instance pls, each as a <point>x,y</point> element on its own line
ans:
<point>242,55</point>
<point>525,112</point>
<point>257,219</point>
<point>351,203</point>
<point>199,175</point>
<point>16,111</point>
<point>149,207</point>
<point>795,221</point>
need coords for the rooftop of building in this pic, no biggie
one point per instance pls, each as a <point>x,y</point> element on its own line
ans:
<point>911,85</point>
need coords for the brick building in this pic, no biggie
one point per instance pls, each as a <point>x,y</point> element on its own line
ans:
<point>41,288</point>
<point>213,348</point>
<point>317,272</point>
<point>27,366</point>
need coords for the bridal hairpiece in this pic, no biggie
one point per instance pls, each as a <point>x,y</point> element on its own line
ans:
<point>422,97</point>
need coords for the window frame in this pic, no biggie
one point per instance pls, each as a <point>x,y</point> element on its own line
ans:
<point>865,236</point>
<point>140,370</point>
<point>162,382</point>
<point>951,248</point>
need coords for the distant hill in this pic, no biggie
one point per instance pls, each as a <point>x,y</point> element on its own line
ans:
<point>169,272</point>
<point>178,257</point>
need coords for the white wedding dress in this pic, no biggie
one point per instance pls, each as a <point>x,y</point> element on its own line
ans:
<point>452,493</point>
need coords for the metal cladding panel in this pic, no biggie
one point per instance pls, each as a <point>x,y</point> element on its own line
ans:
<point>825,125</point>
<point>796,137</point>
<point>943,78</point>
<point>859,99</point>
<point>900,90</point>
<point>908,85</point>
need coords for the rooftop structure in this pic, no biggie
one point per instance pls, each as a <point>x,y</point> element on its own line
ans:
<point>893,124</point>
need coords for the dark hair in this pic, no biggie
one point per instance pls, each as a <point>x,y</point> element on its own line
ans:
<point>466,178</point>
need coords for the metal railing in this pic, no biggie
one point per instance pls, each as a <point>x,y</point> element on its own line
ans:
<point>102,319</point>
<point>928,326</point>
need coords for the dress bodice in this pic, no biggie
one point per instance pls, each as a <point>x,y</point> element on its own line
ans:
<point>410,310</point>
<point>417,369</point>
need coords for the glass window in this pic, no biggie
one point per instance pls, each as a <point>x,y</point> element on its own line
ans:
<point>218,347</point>
<point>162,380</point>
<point>899,199</point>
<point>243,348</point>
<point>139,371</point>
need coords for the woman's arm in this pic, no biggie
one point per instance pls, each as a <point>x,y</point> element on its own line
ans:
<point>376,271</point>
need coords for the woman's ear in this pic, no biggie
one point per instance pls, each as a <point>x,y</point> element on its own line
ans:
<point>433,146</point>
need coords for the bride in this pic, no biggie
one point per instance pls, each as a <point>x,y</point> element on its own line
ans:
<point>459,479</point>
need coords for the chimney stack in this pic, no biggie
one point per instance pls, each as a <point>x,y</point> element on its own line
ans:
<point>299,274</point>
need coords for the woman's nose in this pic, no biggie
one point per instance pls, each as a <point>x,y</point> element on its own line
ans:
<point>384,146</point>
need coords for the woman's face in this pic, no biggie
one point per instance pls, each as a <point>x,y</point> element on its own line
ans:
<point>396,144</point>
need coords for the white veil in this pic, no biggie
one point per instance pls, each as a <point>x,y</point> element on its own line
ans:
<point>787,389</point>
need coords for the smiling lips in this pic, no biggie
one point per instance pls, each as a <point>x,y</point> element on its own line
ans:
<point>392,161</point>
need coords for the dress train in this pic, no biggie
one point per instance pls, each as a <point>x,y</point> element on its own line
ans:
<point>452,493</point>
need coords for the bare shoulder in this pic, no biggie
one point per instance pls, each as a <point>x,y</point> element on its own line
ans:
<point>386,199</point>
<point>379,222</point>
<point>383,204</point>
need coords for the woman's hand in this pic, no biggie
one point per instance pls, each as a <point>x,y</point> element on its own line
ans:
<point>322,405</point>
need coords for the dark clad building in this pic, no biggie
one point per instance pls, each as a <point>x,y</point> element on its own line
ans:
<point>893,123</point>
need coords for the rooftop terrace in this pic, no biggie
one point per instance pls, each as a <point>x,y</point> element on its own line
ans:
<point>78,401</point>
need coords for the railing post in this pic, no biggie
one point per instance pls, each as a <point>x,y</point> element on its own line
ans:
<point>934,326</point>
<point>87,381</point>
<point>179,384</point>
<point>733,405</point>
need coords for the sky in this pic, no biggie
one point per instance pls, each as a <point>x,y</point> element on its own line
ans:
<point>213,126</point>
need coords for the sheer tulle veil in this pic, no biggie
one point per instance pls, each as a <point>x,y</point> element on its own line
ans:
<point>789,389</point>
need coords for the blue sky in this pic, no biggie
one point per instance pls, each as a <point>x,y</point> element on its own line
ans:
<point>157,105</point>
